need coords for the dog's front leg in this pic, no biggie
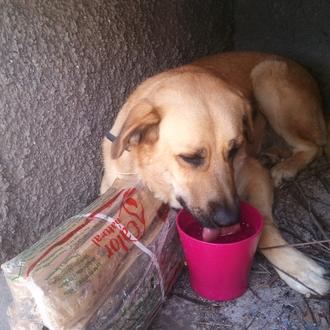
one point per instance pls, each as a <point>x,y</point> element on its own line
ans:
<point>299,271</point>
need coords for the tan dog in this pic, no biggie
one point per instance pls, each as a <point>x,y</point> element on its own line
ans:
<point>194,134</point>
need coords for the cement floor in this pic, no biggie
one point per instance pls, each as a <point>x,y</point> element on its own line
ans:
<point>268,304</point>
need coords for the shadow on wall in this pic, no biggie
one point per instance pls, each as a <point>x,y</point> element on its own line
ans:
<point>298,29</point>
<point>66,68</point>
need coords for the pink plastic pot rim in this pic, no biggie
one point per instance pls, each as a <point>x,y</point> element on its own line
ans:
<point>257,232</point>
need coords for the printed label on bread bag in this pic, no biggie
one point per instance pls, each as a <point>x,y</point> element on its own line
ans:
<point>127,226</point>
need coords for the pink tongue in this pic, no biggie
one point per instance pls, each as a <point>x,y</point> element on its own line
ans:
<point>210,235</point>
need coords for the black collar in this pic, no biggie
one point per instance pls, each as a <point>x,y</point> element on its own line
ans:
<point>110,136</point>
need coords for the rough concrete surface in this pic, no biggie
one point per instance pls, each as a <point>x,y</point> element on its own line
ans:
<point>66,67</point>
<point>299,29</point>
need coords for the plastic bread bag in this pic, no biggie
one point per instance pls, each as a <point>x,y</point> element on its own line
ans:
<point>109,267</point>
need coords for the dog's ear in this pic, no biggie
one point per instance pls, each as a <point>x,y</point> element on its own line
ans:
<point>248,117</point>
<point>141,125</point>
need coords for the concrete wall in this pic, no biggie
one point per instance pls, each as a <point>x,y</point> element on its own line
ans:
<point>299,29</point>
<point>66,66</point>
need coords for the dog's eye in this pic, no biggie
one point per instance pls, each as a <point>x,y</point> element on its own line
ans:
<point>233,151</point>
<point>194,160</point>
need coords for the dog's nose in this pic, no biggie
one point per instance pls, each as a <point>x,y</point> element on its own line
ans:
<point>224,215</point>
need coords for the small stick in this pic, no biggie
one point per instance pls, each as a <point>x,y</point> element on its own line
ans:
<point>254,293</point>
<point>318,298</point>
<point>317,258</point>
<point>302,203</point>
<point>310,312</point>
<point>255,316</point>
<point>318,200</point>
<point>215,325</point>
<point>266,270</point>
<point>282,312</point>
<point>191,299</point>
<point>290,233</point>
<point>313,217</point>
<point>294,278</point>
<point>273,280</point>
<point>325,185</point>
<point>317,170</point>
<point>324,247</point>
<point>296,244</point>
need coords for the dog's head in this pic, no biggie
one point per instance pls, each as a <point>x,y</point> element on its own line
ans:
<point>184,136</point>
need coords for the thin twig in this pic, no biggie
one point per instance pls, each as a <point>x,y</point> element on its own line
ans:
<point>294,278</point>
<point>318,200</point>
<point>286,230</point>
<point>301,202</point>
<point>310,311</point>
<point>254,293</point>
<point>323,247</point>
<point>314,216</point>
<point>297,196</point>
<point>214,325</point>
<point>318,298</point>
<point>273,280</point>
<point>317,258</point>
<point>248,326</point>
<point>326,185</point>
<point>302,176</point>
<point>191,299</point>
<point>282,312</point>
<point>266,270</point>
<point>295,244</point>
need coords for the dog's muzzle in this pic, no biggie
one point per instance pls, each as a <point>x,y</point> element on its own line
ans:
<point>222,215</point>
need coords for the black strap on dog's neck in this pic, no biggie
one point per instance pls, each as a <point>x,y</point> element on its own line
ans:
<point>110,136</point>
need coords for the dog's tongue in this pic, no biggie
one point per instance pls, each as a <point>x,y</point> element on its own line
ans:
<point>210,235</point>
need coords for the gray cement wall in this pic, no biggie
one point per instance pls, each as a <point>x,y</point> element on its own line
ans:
<point>299,29</point>
<point>66,66</point>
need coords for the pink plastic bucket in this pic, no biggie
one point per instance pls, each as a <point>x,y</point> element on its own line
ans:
<point>219,271</point>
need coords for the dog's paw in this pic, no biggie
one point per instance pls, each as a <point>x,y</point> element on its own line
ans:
<point>282,171</point>
<point>268,160</point>
<point>305,275</point>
